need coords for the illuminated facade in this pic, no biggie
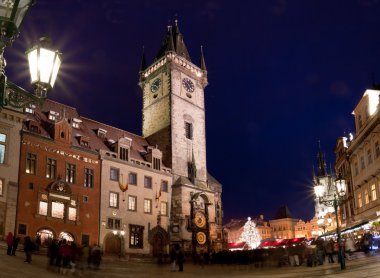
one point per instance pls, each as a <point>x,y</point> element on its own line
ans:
<point>283,225</point>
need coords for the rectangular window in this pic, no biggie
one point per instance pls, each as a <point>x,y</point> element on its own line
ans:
<point>51,168</point>
<point>43,208</point>
<point>31,163</point>
<point>132,203</point>
<point>114,174</point>
<point>147,206</point>
<point>189,130</point>
<point>164,186</point>
<point>70,173</point>
<point>123,153</point>
<point>362,164</point>
<point>57,210</point>
<point>114,200</point>
<point>369,156</point>
<point>136,234</point>
<point>21,229</point>
<point>360,201</point>
<point>85,239</point>
<point>1,187</point>
<point>356,169</point>
<point>117,224</point>
<point>373,192</point>
<point>147,182</point>
<point>3,139</point>
<point>88,177</point>
<point>164,208</point>
<point>110,223</point>
<point>72,214</point>
<point>85,199</point>
<point>366,196</point>
<point>156,163</point>
<point>132,178</point>
<point>377,149</point>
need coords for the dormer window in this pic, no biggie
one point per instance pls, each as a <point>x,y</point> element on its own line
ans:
<point>83,141</point>
<point>123,153</point>
<point>75,122</point>
<point>124,144</point>
<point>102,133</point>
<point>34,127</point>
<point>156,163</point>
<point>30,109</point>
<point>53,116</point>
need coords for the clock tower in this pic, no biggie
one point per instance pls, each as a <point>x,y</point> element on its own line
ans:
<point>174,120</point>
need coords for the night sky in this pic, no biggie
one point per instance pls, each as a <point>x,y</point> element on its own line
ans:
<point>282,75</point>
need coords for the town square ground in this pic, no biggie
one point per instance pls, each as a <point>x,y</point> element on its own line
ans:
<point>361,266</point>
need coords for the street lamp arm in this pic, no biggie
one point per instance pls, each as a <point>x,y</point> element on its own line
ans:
<point>16,97</point>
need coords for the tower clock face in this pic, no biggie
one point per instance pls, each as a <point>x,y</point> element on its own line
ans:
<point>188,85</point>
<point>155,85</point>
<point>201,238</point>
<point>199,219</point>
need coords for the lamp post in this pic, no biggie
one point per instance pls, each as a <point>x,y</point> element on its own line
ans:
<point>44,62</point>
<point>335,201</point>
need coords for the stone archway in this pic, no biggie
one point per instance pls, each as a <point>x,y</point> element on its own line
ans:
<point>159,240</point>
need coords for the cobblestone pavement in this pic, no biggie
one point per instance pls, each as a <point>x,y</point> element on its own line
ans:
<point>11,267</point>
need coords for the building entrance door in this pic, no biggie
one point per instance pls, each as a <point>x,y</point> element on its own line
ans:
<point>112,245</point>
<point>158,245</point>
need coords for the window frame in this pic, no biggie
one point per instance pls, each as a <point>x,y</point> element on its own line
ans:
<point>148,201</point>
<point>70,171</point>
<point>136,236</point>
<point>132,197</point>
<point>189,130</point>
<point>51,168</point>
<point>164,205</point>
<point>88,181</point>
<point>134,180</point>
<point>5,145</point>
<point>112,193</point>
<point>31,164</point>
<point>148,182</point>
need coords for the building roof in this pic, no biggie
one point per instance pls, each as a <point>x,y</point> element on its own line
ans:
<point>283,212</point>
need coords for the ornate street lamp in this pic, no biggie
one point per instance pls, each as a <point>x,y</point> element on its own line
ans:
<point>335,201</point>
<point>44,63</point>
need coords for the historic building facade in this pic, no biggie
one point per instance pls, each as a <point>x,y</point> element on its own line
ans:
<point>283,225</point>
<point>10,126</point>
<point>363,153</point>
<point>174,120</point>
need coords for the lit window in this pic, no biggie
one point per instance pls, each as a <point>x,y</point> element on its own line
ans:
<point>136,236</point>
<point>114,200</point>
<point>31,162</point>
<point>52,117</point>
<point>147,206</point>
<point>147,182</point>
<point>70,173</point>
<point>377,149</point>
<point>373,192</point>
<point>43,208</point>
<point>51,168</point>
<point>3,138</point>
<point>1,187</point>
<point>366,196</point>
<point>132,178</point>
<point>189,130</point>
<point>88,177</point>
<point>72,214</point>
<point>75,125</point>
<point>360,201</point>
<point>110,223</point>
<point>164,208</point>
<point>114,174</point>
<point>28,110</point>
<point>132,203</point>
<point>123,153</point>
<point>57,210</point>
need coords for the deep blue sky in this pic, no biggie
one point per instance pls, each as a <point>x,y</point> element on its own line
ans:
<point>282,74</point>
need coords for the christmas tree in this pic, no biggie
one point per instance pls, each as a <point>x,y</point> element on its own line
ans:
<point>250,234</point>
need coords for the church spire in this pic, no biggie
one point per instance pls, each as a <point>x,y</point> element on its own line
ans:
<point>143,61</point>
<point>322,171</point>
<point>202,62</point>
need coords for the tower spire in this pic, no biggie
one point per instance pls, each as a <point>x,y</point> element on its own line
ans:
<point>322,171</point>
<point>202,60</point>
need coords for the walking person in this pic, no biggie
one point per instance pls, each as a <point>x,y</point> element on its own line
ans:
<point>173,259</point>
<point>9,243</point>
<point>28,249</point>
<point>180,259</point>
<point>16,241</point>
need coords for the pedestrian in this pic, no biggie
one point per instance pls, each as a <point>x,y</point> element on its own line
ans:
<point>16,241</point>
<point>320,251</point>
<point>96,256</point>
<point>329,247</point>
<point>180,259</point>
<point>29,247</point>
<point>65,253</point>
<point>9,243</point>
<point>349,246</point>
<point>173,259</point>
<point>53,252</point>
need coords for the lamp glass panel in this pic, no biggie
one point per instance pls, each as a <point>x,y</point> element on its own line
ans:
<point>22,8</point>
<point>6,8</point>
<point>45,64</point>
<point>33,66</point>
<point>57,64</point>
